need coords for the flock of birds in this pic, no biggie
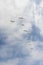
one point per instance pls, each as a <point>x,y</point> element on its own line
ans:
<point>21,18</point>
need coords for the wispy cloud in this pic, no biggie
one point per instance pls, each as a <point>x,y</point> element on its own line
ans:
<point>21,45</point>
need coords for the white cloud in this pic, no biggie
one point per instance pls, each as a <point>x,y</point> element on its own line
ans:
<point>14,31</point>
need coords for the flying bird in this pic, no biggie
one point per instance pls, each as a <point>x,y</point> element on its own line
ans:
<point>22,24</point>
<point>12,21</point>
<point>21,18</point>
<point>25,30</point>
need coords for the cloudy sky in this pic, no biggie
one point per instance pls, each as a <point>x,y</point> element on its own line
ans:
<point>21,32</point>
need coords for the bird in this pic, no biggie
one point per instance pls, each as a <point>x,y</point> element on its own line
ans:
<point>21,18</point>
<point>22,24</point>
<point>25,30</point>
<point>12,21</point>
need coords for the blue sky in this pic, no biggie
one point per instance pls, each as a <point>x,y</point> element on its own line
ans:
<point>37,1</point>
<point>21,42</point>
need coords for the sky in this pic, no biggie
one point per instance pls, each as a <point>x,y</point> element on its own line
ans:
<point>21,32</point>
